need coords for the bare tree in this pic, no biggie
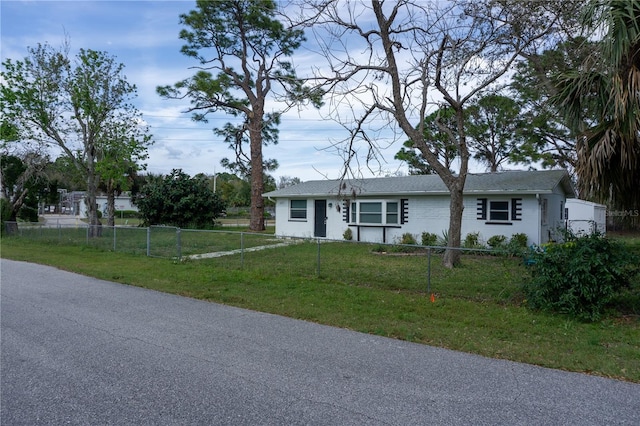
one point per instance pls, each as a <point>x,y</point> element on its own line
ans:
<point>401,59</point>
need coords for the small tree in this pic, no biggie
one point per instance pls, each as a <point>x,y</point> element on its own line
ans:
<point>179,200</point>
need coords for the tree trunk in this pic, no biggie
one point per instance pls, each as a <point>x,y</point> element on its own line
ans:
<point>456,206</point>
<point>95,226</point>
<point>11,224</point>
<point>256,222</point>
<point>111,204</point>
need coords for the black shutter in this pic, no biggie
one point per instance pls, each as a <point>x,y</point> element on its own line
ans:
<point>404,207</point>
<point>346,204</point>
<point>516,209</point>
<point>481,213</point>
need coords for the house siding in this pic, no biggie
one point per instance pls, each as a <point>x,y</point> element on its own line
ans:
<point>430,214</point>
<point>503,203</point>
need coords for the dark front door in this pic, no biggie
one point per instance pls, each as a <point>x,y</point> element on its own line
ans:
<point>320,229</point>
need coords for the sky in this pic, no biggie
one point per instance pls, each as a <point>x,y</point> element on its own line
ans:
<point>143,35</point>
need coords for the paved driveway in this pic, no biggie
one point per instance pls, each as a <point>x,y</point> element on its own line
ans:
<point>77,350</point>
<point>64,220</point>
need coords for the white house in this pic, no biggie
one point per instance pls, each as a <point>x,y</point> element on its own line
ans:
<point>585,217</point>
<point>382,209</point>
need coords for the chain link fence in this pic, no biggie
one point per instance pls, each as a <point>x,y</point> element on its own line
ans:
<point>412,268</point>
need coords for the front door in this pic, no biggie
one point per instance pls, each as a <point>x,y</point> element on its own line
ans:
<point>320,228</point>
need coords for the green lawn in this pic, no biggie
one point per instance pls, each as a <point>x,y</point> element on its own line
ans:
<point>478,307</point>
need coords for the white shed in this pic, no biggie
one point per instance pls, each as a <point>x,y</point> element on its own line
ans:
<point>585,217</point>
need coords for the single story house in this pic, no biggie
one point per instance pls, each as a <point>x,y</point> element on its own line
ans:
<point>383,209</point>
<point>585,217</point>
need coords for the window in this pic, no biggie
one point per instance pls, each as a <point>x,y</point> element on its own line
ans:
<point>392,212</point>
<point>543,211</point>
<point>499,210</point>
<point>371,212</point>
<point>377,212</point>
<point>298,210</point>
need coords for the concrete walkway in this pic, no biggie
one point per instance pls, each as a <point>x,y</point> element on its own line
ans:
<point>65,220</point>
<point>284,243</point>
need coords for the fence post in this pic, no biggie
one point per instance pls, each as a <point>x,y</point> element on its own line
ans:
<point>114,238</point>
<point>318,257</point>
<point>88,230</point>
<point>148,241</point>
<point>429,270</point>
<point>178,244</point>
<point>241,250</point>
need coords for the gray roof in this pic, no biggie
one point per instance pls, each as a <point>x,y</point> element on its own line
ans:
<point>511,182</point>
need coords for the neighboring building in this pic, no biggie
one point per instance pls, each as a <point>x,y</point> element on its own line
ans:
<point>382,209</point>
<point>122,202</point>
<point>585,217</point>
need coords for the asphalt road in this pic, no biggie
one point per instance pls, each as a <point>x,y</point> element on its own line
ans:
<point>77,350</point>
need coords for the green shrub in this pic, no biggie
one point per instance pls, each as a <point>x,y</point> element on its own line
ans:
<point>472,240</point>
<point>429,239</point>
<point>517,245</point>
<point>579,277</point>
<point>408,238</point>
<point>5,214</point>
<point>348,234</point>
<point>519,240</point>
<point>380,248</point>
<point>444,239</point>
<point>496,241</point>
<point>28,213</point>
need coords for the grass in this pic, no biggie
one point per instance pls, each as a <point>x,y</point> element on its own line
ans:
<point>478,307</point>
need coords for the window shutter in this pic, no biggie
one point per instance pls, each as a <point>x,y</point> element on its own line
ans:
<point>516,209</point>
<point>404,206</point>
<point>345,210</point>
<point>481,213</point>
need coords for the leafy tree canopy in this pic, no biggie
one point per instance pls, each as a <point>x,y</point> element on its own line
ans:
<point>179,200</point>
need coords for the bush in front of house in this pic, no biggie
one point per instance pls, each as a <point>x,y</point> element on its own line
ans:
<point>429,239</point>
<point>580,276</point>
<point>496,241</point>
<point>517,245</point>
<point>348,234</point>
<point>472,240</point>
<point>408,239</point>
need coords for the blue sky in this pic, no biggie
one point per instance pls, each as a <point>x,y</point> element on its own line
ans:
<point>143,35</point>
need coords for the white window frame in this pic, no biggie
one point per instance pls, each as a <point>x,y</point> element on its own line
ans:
<point>491,210</point>
<point>395,213</point>
<point>298,209</point>
<point>384,212</point>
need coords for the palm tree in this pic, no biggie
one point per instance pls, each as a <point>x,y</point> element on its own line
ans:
<point>602,104</point>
